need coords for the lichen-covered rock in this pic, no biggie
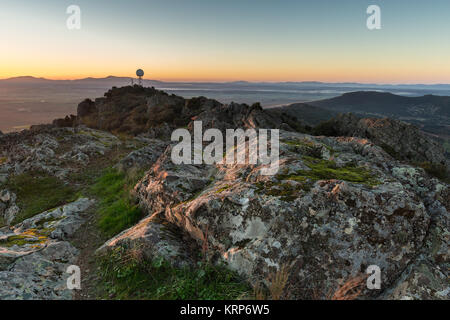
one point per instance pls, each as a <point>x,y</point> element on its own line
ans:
<point>35,254</point>
<point>402,140</point>
<point>176,183</point>
<point>61,223</point>
<point>144,157</point>
<point>56,151</point>
<point>428,277</point>
<point>154,240</point>
<point>421,281</point>
<point>8,207</point>
<point>336,206</point>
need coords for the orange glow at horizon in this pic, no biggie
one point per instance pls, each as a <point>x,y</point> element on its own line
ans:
<point>367,74</point>
<point>274,65</point>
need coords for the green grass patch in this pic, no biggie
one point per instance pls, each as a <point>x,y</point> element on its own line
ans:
<point>117,210</point>
<point>38,192</point>
<point>325,170</point>
<point>319,170</point>
<point>125,278</point>
<point>3,160</point>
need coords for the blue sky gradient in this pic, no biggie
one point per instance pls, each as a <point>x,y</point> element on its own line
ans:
<point>229,40</point>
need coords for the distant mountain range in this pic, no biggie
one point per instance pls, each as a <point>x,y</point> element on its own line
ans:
<point>232,84</point>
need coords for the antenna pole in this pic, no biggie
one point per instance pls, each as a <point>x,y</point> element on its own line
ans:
<point>140,74</point>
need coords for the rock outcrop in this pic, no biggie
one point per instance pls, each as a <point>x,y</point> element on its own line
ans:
<point>35,254</point>
<point>400,139</point>
<point>144,157</point>
<point>327,215</point>
<point>135,110</point>
<point>56,151</point>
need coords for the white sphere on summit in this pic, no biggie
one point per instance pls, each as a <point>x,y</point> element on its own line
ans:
<point>140,73</point>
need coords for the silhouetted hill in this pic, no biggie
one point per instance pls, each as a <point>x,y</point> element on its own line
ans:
<point>388,104</point>
<point>431,113</point>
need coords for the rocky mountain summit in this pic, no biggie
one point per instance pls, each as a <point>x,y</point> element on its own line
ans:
<point>337,205</point>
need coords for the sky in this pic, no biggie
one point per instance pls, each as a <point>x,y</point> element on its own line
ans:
<point>212,40</point>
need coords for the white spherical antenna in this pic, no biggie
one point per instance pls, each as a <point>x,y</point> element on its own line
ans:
<point>140,73</point>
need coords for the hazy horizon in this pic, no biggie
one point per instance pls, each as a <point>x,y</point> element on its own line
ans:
<point>29,102</point>
<point>230,81</point>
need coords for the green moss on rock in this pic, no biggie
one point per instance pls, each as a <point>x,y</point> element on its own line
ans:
<point>30,236</point>
<point>325,170</point>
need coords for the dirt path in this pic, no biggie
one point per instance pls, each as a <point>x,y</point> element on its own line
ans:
<point>87,239</point>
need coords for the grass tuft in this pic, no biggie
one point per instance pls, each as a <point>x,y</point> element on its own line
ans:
<point>117,209</point>
<point>129,276</point>
<point>38,192</point>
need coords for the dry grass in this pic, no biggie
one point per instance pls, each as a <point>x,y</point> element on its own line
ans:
<point>351,289</point>
<point>205,245</point>
<point>258,292</point>
<point>278,281</point>
<point>277,285</point>
<point>134,254</point>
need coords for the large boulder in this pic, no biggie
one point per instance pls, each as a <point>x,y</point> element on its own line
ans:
<point>153,239</point>
<point>35,254</point>
<point>336,206</point>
